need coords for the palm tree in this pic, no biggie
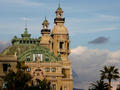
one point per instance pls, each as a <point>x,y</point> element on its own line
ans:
<point>98,85</point>
<point>109,73</point>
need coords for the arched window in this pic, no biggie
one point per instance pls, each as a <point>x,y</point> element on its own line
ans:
<point>60,14</point>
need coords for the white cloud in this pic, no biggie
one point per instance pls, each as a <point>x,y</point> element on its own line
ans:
<point>86,63</point>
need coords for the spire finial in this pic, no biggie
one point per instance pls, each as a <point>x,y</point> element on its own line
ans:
<point>26,25</point>
<point>59,4</point>
<point>45,18</point>
<point>25,20</point>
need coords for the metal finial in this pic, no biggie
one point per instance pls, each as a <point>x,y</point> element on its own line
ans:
<point>45,18</point>
<point>26,25</point>
<point>59,4</point>
<point>25,20</point>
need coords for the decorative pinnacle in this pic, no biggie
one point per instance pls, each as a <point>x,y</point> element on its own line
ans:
<point>25,21</point>
<point>45,18</point>
<point>45,21</point>
<point>26,25</point>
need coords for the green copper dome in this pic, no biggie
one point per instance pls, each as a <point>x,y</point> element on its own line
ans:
<point>25,34</point>
<point>30,52</point>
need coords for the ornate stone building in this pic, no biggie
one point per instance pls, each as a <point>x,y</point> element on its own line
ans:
<point>46,56</point>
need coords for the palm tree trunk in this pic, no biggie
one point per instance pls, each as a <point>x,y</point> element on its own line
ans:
<point>109,87</point>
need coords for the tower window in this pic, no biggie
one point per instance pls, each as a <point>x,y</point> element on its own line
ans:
<point>61,45</point>
<point>68,46</point>
<point>59,14</point>
<point>5,67</point>
<point>53,69</point>
<point>45,26</point>
<point>47,69</point>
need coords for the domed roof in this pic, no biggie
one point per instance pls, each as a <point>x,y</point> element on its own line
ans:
<point>45,21</point>
<point>59,29</point>
<point>22,51</point>
<point>59,9</point>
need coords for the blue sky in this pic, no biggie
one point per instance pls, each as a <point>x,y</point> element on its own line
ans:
<point>91,23</point>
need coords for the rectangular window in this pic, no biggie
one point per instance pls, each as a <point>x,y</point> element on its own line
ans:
<point>53,69</point>
<point>68,46</point>
<point>28,58</point>
<point>28,69</point>
<point>47,69</point>
<point>61,45</point>
<point>5,67</point>
<point>37,57</point>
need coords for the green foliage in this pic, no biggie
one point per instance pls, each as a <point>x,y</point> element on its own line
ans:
<point>21,65</point>
<point>40,85</point>
<point>17,80</point>
<point>20,79</point>
<point>98,85</point>
<point>109,73</point>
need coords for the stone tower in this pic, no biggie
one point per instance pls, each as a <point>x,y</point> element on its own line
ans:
<point>45,39</point>
<point>60,35</point>
<point>61,46</point>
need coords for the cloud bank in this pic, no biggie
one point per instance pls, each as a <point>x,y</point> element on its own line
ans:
<point>86,64</point>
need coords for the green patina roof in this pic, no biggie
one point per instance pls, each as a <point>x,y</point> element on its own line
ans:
<point>24,50</point>
<point>25,34</point>
<point>25,39</point>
